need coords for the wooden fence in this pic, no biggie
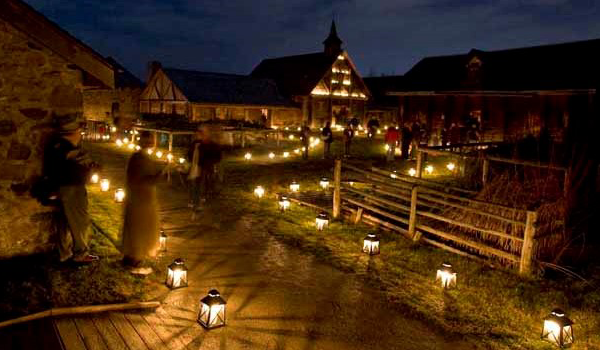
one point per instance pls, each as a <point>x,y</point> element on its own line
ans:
<point>431,212</point>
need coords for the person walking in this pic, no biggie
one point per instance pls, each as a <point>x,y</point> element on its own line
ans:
<point>406,140</point>
<point>305,136</point>
<point>348,135</point>
<point>209,160</point>
<point>194,179</point>
<point>415,138</point>
<point>327,137</point>
<point>391,140</point>
<point>67,168</point>
<point>141,228</point>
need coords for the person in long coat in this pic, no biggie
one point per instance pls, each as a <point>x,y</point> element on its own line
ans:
<point>141,226</point>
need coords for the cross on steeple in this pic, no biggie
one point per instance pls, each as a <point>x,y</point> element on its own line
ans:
<point>333,44</point>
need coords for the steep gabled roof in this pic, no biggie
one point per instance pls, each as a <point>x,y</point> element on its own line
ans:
<point>221,88</point>
<point>123,77</point>
<point>295,75</point>
<point>565,66</point>
<point>38,27</point>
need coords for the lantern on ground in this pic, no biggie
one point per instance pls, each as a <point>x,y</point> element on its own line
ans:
<point>119,195</point>
<point>286,154</point>
<point>259,192</point>
<point>271,155</point>
<point>119,143</point>
<point>181,160</point>
<point>291,137</point>
<point>138,147</point>
<point>394,174</point>
<point>95,178</point>
<point>150,151</point>
<point>303,149</point>
<point>297,151</point>
<point>248,156</point>
<point>429,169</point>
<point>324,183</point>
<point>125,140</point>
<point>322,221</point>
<point>169,157</point>
<point>113,129</point>
<point>286,128</point>
<point>412,172</point>
<point>371,244</point>
<point>450,166</point>
<point>294,186</point>
<point>387,147</point>
<point>177,274</point>
<point>159,154</point>
<point>162,241</point>
<point>558,329</point>
<point>104,185</point>
<point>212,310</point>
<point>284,203</point>
<point>317,141</point>
<point>131,146</point>
<point>299,128</point>
<point>446,275</point>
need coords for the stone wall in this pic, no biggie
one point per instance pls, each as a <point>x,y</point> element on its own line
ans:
<point>35,86</point>
<point>98,104</point>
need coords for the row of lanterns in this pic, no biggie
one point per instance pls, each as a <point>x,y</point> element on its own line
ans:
<point>105,186</point>
<point>314,142</point>
<point>429,169</point>
<point>159,154</point>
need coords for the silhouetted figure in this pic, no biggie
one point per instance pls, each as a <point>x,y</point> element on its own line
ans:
<point>209,160</point>
<point>348,135</point>
<point>194,178</point>
<point>415,138</point>
<point>327,137</point>
<point>406,140</point>
<point>391,140</point>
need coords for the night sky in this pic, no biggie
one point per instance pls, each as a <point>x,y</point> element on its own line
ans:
<point>382,36</point>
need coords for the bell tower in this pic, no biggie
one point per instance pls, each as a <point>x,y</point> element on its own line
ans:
<point>333,44</point>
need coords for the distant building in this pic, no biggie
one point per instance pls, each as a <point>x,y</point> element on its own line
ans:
<point>103,108</point>
<point>506,95</point>
<point>325,85</point>
<point>382,106</point>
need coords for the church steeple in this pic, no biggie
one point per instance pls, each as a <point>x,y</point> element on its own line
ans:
<point>333,44</point>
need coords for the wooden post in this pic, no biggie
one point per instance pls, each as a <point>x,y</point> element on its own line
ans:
<point>170,142</point>
<point>419,163</point>
<point>528,244</point>
<point>358,217</point>
<point>243,139</point>
<point>278,137</point>
<point>337,187</point>
<point>412,220</point>
<point>486,171</point>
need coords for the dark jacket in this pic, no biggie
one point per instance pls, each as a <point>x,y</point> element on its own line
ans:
<point>66,164</point>
<point>327,135</point>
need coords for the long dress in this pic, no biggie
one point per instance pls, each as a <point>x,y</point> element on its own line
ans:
<point>141,227</point>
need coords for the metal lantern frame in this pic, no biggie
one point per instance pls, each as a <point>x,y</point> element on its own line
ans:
<point>324,183</point>
<point>294,186</point>
<point>371,244</point>
<point>162,241</point>
<point>259,192</point>
<point>446,275</point>
<point>104,185</point>
<point>119,195</point>
<point>558,329</point>
<point>94,178</point>
<point>212,312</point>
<point>284,203</point>
<point>322,221</point>
<point>175,266</point>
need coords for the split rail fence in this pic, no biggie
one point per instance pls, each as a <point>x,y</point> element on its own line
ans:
<point>431,212</point>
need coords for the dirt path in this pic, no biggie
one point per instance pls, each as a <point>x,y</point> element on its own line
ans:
<point>278,297</point>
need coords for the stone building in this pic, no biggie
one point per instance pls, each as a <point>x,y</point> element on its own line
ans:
<point>325,85</point>
<point>103,108</point>
<point>43,73</point>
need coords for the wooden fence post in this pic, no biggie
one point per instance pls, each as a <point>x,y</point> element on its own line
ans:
<point>412,220</point>
<point>486,171</point>
<point>528,244</point>
<point>337,183</point>
<point>419,163</point>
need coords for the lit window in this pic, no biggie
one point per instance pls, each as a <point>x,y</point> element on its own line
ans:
<point>347,82</point>
<point>341,57</point>
<point>333,81</point>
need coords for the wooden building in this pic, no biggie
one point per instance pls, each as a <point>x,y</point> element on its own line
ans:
<point>505,95</point>
<point>382,106</point>
<point>204,96</point>
<point>325,85</point>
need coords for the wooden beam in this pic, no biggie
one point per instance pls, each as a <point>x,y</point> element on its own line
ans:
<point>525,263</point>
<point>337,181</point>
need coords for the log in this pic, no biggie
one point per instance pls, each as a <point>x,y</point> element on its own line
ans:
<point>310,205</point>
<point>376,210</point>
<point>376,221</point>
<point>418,181</point>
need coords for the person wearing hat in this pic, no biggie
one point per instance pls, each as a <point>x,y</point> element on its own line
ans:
<point>68,168</point>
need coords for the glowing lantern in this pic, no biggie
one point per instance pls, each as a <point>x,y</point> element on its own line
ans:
<point>181,160</point>
<point>131,146</point>
<point>371,244</point>
<point>159,154</point>
<point>169,157</point>
<point>119,143</point>
<point>558,329</point>
<point>299,129</point>
<point>286,128</point>
<point>138,147</point>
<point>451,166</point>
<point>248,156</point>
<point>322,220</point>
<point>297,151</point>
<point>394,174</point>
<point>162,242</point>
<point>212,310</point>
<point>303,149</point>
<point>387,147</point>
<point>271,155</point>
<point>126,140</point>
<point>119,195</point>
<point>177,274</point>
<point>259,191</point>
<point>446,275</point>
<point>286,154</point>
<point>294,186</point>
<point>95,178</point>
<point>150,151</point>
<point>291,137</point>
<point>324,183</point>
<point>284,203</point>
<point>113,129</point>
<point>104,185</point>
<point>412,172</point>
<point>429,169</point>
<point>317,141</point>
<point>378,132</point>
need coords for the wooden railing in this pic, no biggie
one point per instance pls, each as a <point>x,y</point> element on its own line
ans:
<point>422,211</point>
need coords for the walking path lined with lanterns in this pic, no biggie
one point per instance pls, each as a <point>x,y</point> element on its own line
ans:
<point>276,297</point>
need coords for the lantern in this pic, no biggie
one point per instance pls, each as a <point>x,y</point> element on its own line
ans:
<point>446,275</point>
<point>159,154</point>
<point>119,195</point>
<point>131,146</point>
<point>95,178</point>
<point>299,129</point>
<point>138,147</point>
<point>394,174</point>
<point>248,156</point>
<point>291,137</point>
<point>284,203</point>
<point>371,244</point>
<point>169,157</point>
<point>294,186</point>
<point>378,132</point>
<point>324,183</point>
<point>181,160</point>
<point>429,169</point>
<point>286,128</point>
<point>297,151</point>
<point>271,155</point>
<point>322,221</point>
<point>412,172</point>
<point>162,241</point>
<point>387,147</point>
<point>150,151</point>
<point>317,141</point>
<point>177,274</point>
<point>119,143</point>
<point>286,154</point>
<point>212,310</point>
<point>104,185</point>
<point>259,191</point>
<point>451,166</point>
<point>113,129</point>
<point>558,329</point>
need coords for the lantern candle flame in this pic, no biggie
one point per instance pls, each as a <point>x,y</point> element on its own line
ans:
<point>324,183</point>
<point>294,186</point>
<point>95,178</point>
<point>259,191</point>
<point>119,195</point>
<point>450,166</point>
<point>104,185</point>
<point>248,156</point>
<point>446,275</point>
